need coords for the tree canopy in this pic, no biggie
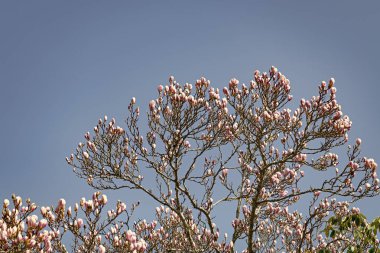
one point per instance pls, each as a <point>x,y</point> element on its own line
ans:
<point>248,148</point>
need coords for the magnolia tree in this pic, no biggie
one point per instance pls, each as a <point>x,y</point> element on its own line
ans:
<point>241,149</point>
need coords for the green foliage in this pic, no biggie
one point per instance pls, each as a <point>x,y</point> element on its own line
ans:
<point>363,235</point>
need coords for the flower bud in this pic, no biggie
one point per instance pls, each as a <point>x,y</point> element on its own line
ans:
<point>6,203</point>
<point>152,105</point>
<point>331,82</point>
<point>79,222</point>
<point>86,155</point>
<point>224,172</point>
<point>102,249</point>
<point>104,199</point>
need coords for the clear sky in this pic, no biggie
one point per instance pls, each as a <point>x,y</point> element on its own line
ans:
<point>64,64</point>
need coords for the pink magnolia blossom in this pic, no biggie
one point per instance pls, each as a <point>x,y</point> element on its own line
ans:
<point>240,148</point>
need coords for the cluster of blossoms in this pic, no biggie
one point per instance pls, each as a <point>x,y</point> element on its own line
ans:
<point>22,231</point>
<point>121,240</point>
<point>239,148</point>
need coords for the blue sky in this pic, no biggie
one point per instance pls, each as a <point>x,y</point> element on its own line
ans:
<point>64,64</point>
